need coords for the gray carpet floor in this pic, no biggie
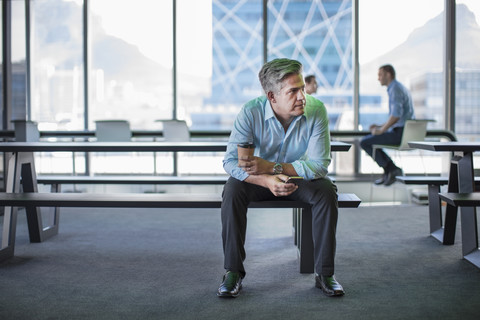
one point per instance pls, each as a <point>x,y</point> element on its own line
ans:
<point>154,264</point>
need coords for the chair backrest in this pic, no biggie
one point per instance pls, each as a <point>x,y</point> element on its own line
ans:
<point>414,130</point>
<point>175,130</point>
<point>113,130</point>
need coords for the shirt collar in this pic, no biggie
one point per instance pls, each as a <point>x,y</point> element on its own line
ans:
<point>268,110</point>
<point>392,83</point>
<point>270,114</point>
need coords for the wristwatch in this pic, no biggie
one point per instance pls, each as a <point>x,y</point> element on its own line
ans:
<point>277,168</point>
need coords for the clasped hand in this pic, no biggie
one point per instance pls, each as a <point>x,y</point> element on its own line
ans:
<point>254,165</point>
<point>258,167</point>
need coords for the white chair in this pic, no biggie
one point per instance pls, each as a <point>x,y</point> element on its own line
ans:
<point>175,130</point>
<point>414,130</point>
<point>110,131</point>
<point>113,130</point>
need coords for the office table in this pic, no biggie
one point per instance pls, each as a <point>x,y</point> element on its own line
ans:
<point>21,173</point>
<point>461,179</point>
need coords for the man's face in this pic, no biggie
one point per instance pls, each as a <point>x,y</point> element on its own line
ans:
<point>290,101</point>
<point>384,77</point>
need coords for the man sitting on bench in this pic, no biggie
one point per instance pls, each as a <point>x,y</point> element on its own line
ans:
<point>289,131</point>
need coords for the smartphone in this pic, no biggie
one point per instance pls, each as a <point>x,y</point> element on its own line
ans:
<point>294,179</point>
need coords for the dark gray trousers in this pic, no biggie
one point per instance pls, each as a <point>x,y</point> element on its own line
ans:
<point>321,194</point>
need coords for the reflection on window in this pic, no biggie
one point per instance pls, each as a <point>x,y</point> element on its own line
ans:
<point>237,57</point>
<point>57,65</point>
<point>319,35</point>
<point>131,61</point>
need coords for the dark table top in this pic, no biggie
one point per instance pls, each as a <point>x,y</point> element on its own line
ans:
<point>446,146</point>
<point>199,146</point>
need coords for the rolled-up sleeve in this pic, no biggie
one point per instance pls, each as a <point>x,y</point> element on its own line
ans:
<point>241,132</point>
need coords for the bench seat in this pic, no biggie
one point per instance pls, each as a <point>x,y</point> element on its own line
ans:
<point>471,199</point>
<point>434,183</point>
<point>147,200</point>
<point>302,216</point>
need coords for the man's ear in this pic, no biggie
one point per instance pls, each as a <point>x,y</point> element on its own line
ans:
<point>271,97</point>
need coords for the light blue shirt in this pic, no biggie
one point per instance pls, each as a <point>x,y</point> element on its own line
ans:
<point>400,103</point>
<point>306,144</point>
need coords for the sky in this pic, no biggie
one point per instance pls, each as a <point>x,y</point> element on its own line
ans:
<point>379,33</point>
<point>149,26</point>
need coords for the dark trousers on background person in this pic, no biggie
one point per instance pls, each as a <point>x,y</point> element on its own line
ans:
<point>393,137</point>
<point>320,193</point>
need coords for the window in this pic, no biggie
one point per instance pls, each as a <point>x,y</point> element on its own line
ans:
<point>131,61</point>
<point>467,77</point>
<point>57,64</point>
<point>325,28</point>
<point>413,46</point>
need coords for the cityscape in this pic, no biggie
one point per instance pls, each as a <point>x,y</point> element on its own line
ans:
<point>125,84</point>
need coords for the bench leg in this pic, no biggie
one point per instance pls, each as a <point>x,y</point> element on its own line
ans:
<point>10,213</point>
<point>296,212</point>
<point>435,212</point>
<point>8,234</point>
<point>305,245</point>
<point>450,225</point>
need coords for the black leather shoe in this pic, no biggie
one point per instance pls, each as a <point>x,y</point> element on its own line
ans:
<point>391,176</point>
<point>329,286</point>
<point>231,285</point>
<point>381,180</point>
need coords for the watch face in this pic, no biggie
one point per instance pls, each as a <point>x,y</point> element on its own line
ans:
<point>277,168</point>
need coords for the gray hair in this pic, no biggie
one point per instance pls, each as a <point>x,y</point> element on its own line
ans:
<point>274,72</point>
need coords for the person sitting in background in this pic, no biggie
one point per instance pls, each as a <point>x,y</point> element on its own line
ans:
<point>289,130</point>
<point>400,108</point>
<point>311,85</point>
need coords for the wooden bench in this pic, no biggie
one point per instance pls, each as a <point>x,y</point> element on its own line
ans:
<point>470,248</point>
<point>471,199</point>
<point>434,203</point>
<point>143,200</point>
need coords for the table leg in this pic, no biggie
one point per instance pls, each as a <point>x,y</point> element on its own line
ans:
<point>435,213</point>
<point>466,184</point>
<point>37,231</point>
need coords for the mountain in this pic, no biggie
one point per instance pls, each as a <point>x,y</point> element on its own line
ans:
<point>423,50</point>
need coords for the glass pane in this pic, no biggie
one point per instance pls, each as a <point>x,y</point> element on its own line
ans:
<point>194,64</point>
<point>1,69</point>
<point>319,35</point>
<point>19,81</point>
<point>467,78</point>
<point>131,61</point>
<point>57,64</point>
<point>237,58</point>
<point>414,47</point>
